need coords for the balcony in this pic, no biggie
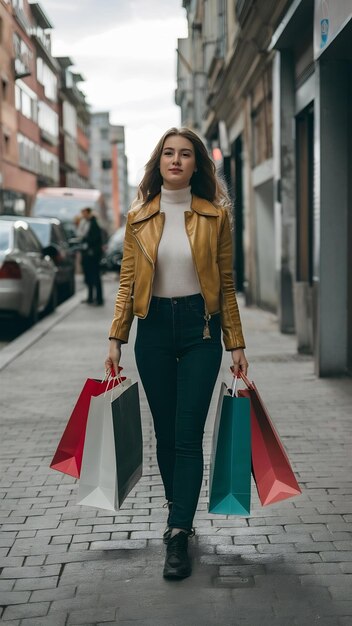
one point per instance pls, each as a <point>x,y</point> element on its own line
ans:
<point>22,19</point>
<point>38,31</point>
<point>22,64</point>
<point>42,39</point>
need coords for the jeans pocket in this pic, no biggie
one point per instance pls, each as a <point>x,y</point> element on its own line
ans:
<point>197,308</point>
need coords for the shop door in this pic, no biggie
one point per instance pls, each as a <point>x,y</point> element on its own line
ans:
<point>304,316</point>
<point>237,189</point>
<point>349,235</point>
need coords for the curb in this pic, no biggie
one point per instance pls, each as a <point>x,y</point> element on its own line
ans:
<point>16,347</point>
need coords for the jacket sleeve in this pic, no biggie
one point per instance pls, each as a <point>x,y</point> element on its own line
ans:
<point>123,314</point>
<point>230,316</point>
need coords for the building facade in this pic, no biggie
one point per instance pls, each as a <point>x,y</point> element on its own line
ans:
<point>74,128</point>
<point>108,164</point>
<point>268,85</point>
<point>313,86</point>
<point>29,105</point>
<point>32,101</point>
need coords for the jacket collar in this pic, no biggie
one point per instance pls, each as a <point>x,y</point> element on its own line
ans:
<point>199,205</point>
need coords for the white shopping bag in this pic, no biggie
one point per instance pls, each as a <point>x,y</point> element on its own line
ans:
<point>98,485</point>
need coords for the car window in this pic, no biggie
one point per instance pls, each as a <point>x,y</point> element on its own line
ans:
<point>21,239</point>
<point>42,231</point>
<point>32,242</point>
<point>58,237</point>
<point>63,236</point>
<point>5,231</point>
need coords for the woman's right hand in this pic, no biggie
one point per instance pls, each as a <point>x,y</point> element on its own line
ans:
<point>113,359</point>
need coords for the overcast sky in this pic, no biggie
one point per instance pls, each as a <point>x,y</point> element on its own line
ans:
<point>126,51</point>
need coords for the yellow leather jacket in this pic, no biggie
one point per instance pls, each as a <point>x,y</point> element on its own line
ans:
<point>209,234</point>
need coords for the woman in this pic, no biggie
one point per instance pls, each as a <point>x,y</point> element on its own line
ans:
<point>176,277</point>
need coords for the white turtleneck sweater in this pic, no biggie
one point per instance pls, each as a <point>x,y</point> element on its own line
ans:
<point>175,274</point>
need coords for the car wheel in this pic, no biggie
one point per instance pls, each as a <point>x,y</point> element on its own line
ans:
<point>52,304</point>
<point>33,316</point>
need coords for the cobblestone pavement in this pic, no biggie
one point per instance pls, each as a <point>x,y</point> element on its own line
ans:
<point>61,564</point>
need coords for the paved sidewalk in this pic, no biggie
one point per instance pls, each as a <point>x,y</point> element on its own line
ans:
<point>61,564</point>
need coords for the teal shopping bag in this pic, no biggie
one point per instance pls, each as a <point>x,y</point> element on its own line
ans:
<point>230,462</point>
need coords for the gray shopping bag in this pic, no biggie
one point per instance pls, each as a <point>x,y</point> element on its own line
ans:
<point>126,419</point>
<point>108,448</point>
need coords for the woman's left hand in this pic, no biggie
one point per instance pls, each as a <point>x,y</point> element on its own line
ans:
<point>240,362</point>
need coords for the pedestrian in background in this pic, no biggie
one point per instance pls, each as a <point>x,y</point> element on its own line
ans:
<point>91,251</point>
<point>177,278</point>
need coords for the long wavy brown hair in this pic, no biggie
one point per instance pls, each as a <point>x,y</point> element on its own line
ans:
<point>205,182</point>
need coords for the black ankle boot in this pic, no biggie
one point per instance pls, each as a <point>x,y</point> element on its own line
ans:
<point>177,563</point>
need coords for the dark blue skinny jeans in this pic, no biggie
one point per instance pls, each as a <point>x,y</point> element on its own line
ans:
<point>178,370</point>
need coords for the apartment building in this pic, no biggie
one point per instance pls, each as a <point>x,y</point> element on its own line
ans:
<point>74,128</point>
<point>268,85</point>
<point>108,164</point>
<point>43,115</point>
<point>29,105</point>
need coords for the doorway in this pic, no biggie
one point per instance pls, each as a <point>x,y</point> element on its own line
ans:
<point>237,194</point>
<point>303,290</point>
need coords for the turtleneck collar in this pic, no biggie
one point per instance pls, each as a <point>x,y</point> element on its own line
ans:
<point>176,196</point>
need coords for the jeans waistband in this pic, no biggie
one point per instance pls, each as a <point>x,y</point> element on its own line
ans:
<point>195,298</point>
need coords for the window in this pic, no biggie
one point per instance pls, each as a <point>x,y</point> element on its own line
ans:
<point>84,126</point>
<point>69,119</point>
<point>23,57</point>
<point>222,29</point>
<point>42,231</point>
<point>36,159</point>
<point>28,154</point>
<point>106,164</point>
<point>70,151</point>
<point>26,105</point>
<point>48,121</point>
<point>17,97</point>
<point>49,165</point>
<point>4,89</point>
<point>18,4</point>
<point>5,235</point>
<point>83,156</point>
<point>262,148</point>
<point>6,142</point>
<point>58,235</point>
<point>47,78</point>
<point>26,101</point>
<point>104,133</point>
<point>32,242</point>
<point>20,239</point>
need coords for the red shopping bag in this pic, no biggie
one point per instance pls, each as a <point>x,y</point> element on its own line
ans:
<point>271,467</point>
<point>68,456</point>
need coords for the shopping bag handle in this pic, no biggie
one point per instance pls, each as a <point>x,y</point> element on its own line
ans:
<point>244,378</point>
<point>234,392</point>
<point>111,373</point>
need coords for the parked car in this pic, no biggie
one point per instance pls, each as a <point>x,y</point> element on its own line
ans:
<point>112,259</point>
<point>27,273</point>
<point>52,236</point>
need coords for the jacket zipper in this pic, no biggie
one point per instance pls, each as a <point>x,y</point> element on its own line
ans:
<point>152,262</point>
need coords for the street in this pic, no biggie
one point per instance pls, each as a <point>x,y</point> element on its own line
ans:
<point>288,564</point>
